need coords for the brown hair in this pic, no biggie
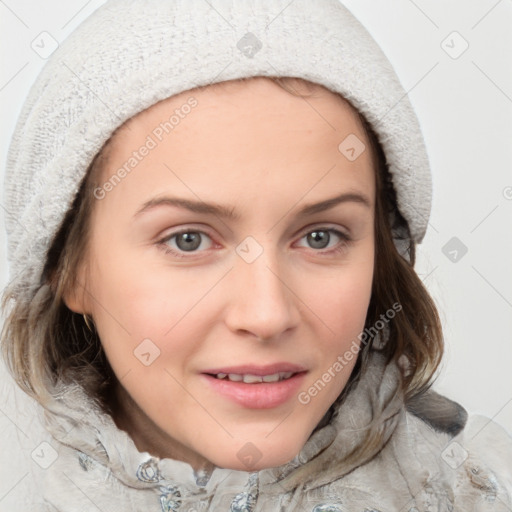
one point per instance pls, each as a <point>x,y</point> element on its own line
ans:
<point>43,341</point>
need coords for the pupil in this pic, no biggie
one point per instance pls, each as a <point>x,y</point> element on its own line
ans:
<point>188,241</point>
<point>318,239</point>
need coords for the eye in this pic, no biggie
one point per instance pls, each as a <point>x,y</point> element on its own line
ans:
<point>194,241</point>
<point>186,241</point>
<point>321,238</point>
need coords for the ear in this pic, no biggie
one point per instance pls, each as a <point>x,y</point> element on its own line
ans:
<point>75,295</point>
<point>74,301</point>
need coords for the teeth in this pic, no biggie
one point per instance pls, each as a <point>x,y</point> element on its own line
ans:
<point>252,379</point>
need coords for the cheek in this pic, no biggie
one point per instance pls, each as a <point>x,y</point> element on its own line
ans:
<point>342,309</point>
<point>140,309</point>
<point>340,306</point>
<point>341,300</point>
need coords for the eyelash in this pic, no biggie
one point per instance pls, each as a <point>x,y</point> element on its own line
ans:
<point>341,246</point>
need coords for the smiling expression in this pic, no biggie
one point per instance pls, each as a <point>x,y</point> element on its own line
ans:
<point>229,269</point>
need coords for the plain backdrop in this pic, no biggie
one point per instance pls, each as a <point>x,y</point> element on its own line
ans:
<point>453,58</point>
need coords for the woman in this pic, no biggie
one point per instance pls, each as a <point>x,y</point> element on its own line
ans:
<point>219,310</point>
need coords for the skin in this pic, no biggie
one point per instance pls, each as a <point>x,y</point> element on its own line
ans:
<point>265,154</point>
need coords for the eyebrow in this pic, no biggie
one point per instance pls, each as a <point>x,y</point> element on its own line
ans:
<point>229,213</point>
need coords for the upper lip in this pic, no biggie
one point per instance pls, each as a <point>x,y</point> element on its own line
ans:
<point>258,369</point>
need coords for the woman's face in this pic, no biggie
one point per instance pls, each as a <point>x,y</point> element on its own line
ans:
<point>230,270</point>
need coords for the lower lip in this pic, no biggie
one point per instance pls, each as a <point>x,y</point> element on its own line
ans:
<point>263,395</point>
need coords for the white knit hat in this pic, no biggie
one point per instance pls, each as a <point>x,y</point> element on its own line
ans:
<point>131,54</point>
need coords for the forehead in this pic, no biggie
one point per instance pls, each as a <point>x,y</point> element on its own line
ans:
<point>298,98</point>
<point>251,132</point>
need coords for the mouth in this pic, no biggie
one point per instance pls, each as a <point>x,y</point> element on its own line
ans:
<point>249,378</point>
<point>257,387</point>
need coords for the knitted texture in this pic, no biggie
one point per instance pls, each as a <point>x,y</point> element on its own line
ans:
<point>131,54</point>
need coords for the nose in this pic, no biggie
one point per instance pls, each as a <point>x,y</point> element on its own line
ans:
<point>262,302</point>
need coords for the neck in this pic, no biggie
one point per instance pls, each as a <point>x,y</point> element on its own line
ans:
<point>149,437</point>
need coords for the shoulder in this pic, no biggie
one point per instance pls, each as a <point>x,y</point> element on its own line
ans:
<point>446,423</point>
<point>482,455</point>
<point>438,458</point>
<point>470,453</point>
<point>26,449</point>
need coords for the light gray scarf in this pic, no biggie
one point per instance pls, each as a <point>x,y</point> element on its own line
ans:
<point>351,432</point>
<point>370,452</point>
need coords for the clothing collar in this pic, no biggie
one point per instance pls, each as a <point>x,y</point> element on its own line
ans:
<point>353,431</point>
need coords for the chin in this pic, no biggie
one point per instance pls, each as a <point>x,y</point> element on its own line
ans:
<point>257,456</point>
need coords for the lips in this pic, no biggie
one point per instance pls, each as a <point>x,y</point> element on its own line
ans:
<point>256,387</point>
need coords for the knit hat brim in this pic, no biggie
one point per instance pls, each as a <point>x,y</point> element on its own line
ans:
<point>130,54</point>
